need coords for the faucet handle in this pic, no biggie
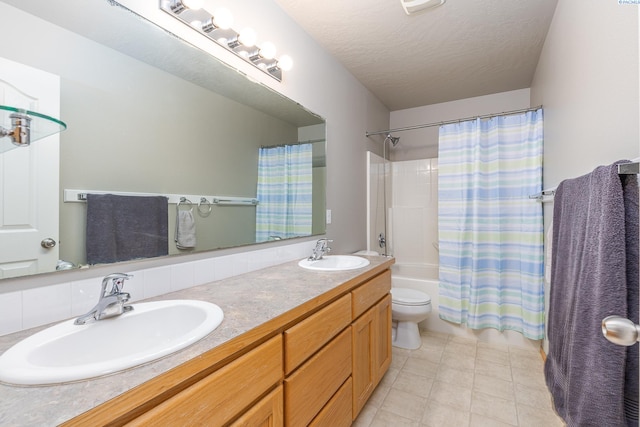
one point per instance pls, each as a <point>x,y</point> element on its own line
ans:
<point>117,282</point>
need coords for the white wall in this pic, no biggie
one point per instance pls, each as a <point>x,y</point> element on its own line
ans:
<point>587,80</point>
<point>317,81</point>
<point>423,143</point>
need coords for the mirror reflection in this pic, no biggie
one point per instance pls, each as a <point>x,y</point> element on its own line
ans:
<point>142,121</point>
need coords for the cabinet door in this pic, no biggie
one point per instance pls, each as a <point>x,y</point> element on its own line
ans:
<point>266,413</point>
<point>364,366</point>
<point>383,336</point>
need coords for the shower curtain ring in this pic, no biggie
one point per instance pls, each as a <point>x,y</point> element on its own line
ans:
<point>205,212</point>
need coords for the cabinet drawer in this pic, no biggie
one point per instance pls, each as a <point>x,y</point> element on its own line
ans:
<point>337,413</point>
<point>368,294</point>
<point>313,384</point>
<point>308,336</point>
<point>224,394</point>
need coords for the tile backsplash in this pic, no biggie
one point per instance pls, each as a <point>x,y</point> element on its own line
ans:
<point>39,306</point>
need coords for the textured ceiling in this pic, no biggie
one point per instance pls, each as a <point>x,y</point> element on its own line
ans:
<point>462,49</point>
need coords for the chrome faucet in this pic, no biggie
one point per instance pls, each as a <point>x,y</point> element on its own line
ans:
<point>322,248</point>
<point>111,304</point>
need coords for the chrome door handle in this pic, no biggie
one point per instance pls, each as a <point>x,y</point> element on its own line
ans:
<point>48,243</point>
<point>620,331</point>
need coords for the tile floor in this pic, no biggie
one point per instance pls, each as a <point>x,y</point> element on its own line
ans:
<point>452,381</point>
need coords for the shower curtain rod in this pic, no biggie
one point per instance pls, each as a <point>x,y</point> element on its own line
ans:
<point>447,122</point>
<point>311,141</point>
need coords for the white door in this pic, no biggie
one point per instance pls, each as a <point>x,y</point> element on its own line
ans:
<point>29,176</point>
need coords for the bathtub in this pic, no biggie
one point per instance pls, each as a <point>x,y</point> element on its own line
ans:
<point>424,278</point>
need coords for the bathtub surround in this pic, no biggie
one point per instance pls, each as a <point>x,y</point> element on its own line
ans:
<point>594,275</point>
<point>414,211</point>
<point>414,229</point>
<point>490,232</point>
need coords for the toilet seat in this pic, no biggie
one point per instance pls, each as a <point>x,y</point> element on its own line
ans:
<point>410,297</point>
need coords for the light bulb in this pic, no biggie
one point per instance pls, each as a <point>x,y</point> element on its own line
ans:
<point>223,18</point>
<point>268,50</point>
<point>193,4</point>
<point>248,37</point>
<point>285,63</point>
<point>196,24</point>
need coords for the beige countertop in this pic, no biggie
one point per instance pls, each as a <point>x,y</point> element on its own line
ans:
<point>270,296</point>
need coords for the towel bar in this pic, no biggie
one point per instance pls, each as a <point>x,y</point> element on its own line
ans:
<point>76,196</point>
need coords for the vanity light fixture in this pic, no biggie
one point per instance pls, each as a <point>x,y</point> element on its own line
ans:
<point>217,27</point>
<point>221,19</point>
<point>16,124</point>
<point>178,6</point>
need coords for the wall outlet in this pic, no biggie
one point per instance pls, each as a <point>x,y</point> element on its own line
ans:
<point>328,216</point>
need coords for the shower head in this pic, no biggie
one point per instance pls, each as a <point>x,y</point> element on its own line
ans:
<point>394,139</point>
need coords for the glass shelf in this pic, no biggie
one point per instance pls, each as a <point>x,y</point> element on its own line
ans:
<point>41,125</point>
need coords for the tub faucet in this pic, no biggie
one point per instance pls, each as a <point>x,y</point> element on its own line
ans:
<point>110,304</point>
<point>321,249</point>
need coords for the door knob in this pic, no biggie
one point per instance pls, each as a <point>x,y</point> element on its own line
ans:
<point>48,243</point>
<point>620,331</point>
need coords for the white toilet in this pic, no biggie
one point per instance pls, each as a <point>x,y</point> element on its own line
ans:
<point>408,308</point>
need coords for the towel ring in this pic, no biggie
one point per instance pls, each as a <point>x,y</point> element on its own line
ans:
<point>206,212</point>
<point>187,201</point>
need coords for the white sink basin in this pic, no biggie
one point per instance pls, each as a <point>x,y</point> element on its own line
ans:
<point>67,352</point>
<point>335,263</point>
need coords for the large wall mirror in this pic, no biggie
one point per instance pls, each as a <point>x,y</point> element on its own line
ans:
<point>147,113</point>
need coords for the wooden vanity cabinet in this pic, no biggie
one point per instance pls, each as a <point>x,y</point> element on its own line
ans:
<point>315,367</point>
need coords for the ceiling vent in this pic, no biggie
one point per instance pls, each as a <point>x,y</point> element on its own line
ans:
<point>415,6</point>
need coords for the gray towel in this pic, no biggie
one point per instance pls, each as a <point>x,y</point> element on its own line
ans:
<point>185,235</point>
<point>121,228</point>
<point>595,240</point>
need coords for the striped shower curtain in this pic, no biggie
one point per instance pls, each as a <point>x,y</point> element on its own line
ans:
<point>490,232</point>
<point>284,192</point>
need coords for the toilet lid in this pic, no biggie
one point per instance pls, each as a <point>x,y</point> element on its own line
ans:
<point>407,296</point>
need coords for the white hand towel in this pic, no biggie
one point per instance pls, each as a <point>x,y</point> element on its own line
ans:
<point>185,230</point>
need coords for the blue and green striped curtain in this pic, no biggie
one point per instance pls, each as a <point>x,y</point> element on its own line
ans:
<point>490,232</point>
<point>284,191</point>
